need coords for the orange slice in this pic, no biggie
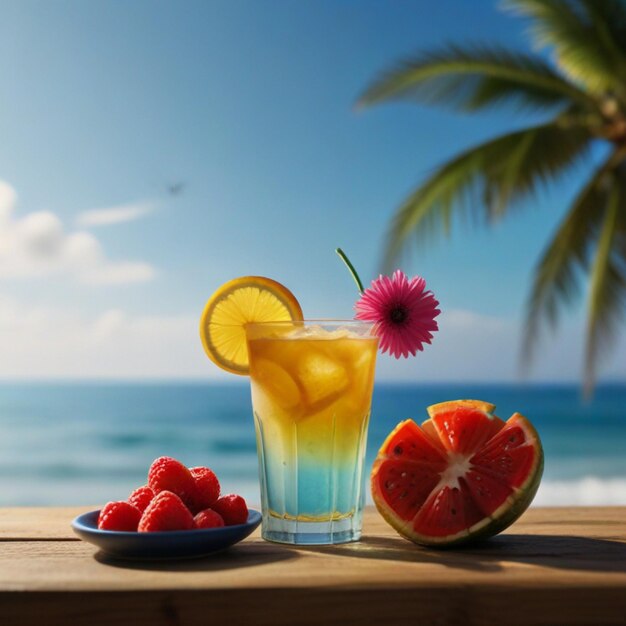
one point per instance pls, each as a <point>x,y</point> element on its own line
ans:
<point>235,304</point>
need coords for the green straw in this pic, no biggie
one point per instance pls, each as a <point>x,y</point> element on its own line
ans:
<point>355,276</point>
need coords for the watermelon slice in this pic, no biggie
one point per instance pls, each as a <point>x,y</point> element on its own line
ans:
<point>464,474</point>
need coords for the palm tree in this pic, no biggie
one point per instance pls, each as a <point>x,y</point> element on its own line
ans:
<point>584,92</point>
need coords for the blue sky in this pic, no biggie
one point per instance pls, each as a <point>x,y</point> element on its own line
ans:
<point>250,103</point>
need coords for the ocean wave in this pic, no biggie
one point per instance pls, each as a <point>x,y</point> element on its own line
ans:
<point>586,491</point>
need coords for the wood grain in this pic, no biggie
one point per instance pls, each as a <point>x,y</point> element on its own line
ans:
<point>554,567</point>
<point>39,523</point>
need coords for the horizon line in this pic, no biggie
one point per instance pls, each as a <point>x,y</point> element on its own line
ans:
<point>241,381</point>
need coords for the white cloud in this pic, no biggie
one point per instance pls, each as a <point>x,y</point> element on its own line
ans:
<point>8,197</point>
<point>115,214</point>
<point>46,342</point>
<point>121,273</point>
<point>37,245</point>
<point>474,347</point>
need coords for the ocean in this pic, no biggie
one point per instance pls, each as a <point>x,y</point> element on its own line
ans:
<point>87,443</point>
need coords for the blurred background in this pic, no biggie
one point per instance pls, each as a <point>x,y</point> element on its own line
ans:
<point>150,151</point>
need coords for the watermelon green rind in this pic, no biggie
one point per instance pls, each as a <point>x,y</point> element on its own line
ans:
<point>491,525</point>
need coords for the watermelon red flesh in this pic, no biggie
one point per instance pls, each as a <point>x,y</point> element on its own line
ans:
<point>410,443</point>
<point>441,494</point>
<point>507,457</point>
<point>406,485</point>
<point>488,493</point>
<point>464,430</point>
<point>448,511</point>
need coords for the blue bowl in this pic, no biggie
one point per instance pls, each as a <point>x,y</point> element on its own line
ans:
<point>176,544</point>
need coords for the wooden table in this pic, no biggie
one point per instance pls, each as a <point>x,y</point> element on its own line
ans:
<point>554,567</point>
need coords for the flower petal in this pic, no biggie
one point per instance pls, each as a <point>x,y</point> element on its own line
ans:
<point>380,303</point>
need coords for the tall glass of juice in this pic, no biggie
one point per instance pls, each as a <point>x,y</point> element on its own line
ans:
<point>312,385</point>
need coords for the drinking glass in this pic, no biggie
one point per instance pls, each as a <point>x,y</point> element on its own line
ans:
<point>311,384</point>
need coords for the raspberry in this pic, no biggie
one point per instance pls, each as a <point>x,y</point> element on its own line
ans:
<point>207,485</point>
<point>166,512</point>
<point>167,474</point>
<point>141,497</point>
<point>119,516</point>
<point>208,519</point>
<point>232,508</point>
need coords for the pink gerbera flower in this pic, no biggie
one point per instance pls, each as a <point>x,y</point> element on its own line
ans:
<point>402,311</point>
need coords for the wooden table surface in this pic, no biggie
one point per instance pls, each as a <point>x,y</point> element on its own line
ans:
<point>554,567</point>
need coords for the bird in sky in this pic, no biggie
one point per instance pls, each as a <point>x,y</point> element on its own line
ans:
<point>175,189</point>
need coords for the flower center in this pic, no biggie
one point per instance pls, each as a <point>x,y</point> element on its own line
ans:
<point>398,314</point>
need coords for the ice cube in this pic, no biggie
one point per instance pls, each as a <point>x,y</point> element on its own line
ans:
<point>312,332</point>
<point>321,377</point>
<point>338,333</point>
<point>301,332</point>
<point>276,382</point>
<point>317,332</point>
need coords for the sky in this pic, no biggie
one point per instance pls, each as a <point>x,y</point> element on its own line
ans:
<point>104,106</point>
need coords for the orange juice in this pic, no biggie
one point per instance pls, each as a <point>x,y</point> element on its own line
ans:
<point>311,395</point>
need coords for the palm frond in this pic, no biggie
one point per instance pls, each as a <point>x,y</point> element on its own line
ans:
<point>558,274</point>
<point>485,181</point>
<point>474,78</point>
<point>595,220</point>
<point>607,290</point>
<point>609,20</point>
<point>585,35</point>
